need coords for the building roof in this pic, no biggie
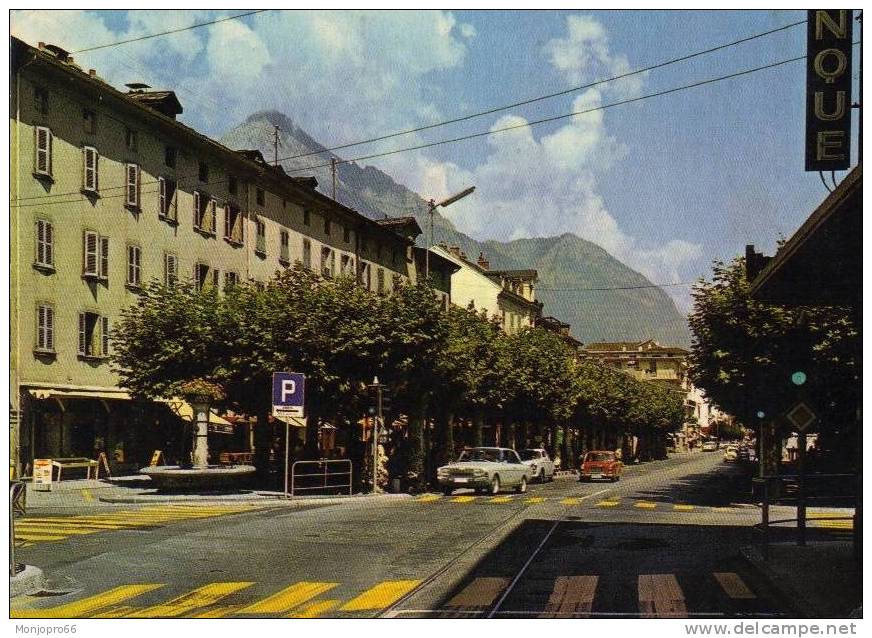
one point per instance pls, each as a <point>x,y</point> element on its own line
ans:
<point>822,263</point>
<point>526,275</point>
<point>398,224</point>
<point>633,346</point>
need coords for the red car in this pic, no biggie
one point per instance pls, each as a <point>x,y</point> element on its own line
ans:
<point>601,464</point>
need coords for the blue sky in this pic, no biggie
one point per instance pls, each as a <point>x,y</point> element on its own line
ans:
<point>666,184</point>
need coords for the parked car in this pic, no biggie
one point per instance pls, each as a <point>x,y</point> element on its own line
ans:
<point>710,446</point>
<point>730,454</point>
<point>601,464</point>
<point>486,470</point>
<point>541,465</point>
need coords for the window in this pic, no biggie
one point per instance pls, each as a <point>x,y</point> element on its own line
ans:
<point>43,145</point>
<point>204,212</point>
<point>44,244</point>
<point>307,217</point>
<point>40,99</point>
<point>93,335</point>
<point>130,139</point>
<point>232,186</point>
<point>131,193</point>
<point>203,173</point>
<point>346,265</point>
<point>205,277</point>
<point>284,249</point>
<point>260,246</point>
<point>364,273</point>
<point>168,206</point>
<point>346,234</point>
<point>170,156</point>
<point>89,121</point>
<point>233,224</point>
<point>328,262</point>
<point>380,281</point>
<point>90,162</point>
<point>230,279</point>
<point>307,254</point>
<point>326,226</point>
<point>45,328</point>
<point>171,269</point>
<point>134,266</point>
<point>95,260</point>
<point>260,196</point>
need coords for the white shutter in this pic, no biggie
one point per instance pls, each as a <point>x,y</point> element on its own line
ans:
<point>197,219</point>
<point>44,238</point>
<point>83,334</point>
<point>227,225</point>
<point>211,213</point>
<point>47,327</point>
<point>43,145</point>
<point>40,327</point>
<point>104,257</point>
<point>132,185</point>
<point>171,269</point>
<point>49,243</point>
<point>91,159</point>
<point>90,253</point>
<point>104,336</point>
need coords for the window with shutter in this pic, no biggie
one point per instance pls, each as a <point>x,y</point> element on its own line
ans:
<point>83,334</point>
<point>211,213</point>
<point>171,269</point>
<point>91,250</point>
<point>91,159</point>
<point>284,247</point>
<point>104,258</point>
<point>198,211</point>
<point>93,335</point>
<point>43,145</point>
<point>162,196</point>
<point>307,254</point>
<point>104,336</point>
<point>134,266</point>
<point>45,328</point>
<point>44,244</point>
<point>132,186</point>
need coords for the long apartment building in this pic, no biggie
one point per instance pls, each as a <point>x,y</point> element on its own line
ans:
<point>110,191</point>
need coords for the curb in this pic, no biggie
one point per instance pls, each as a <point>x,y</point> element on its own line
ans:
<point>276,498</point>
<point>30,580</point>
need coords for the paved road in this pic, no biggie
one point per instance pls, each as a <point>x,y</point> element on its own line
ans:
<point>661,542</point>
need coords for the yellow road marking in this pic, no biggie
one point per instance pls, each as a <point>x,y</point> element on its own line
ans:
<point>428,498</point>
<point>314,609</point>
<point>608,503</point>
<point>35,537</point>
<point>535,499</point>
<point>89,605</point>
<point>462,499</point>
<point>661,597</point>
<point>500,499</point>
<point>479,594</point>
<point>683,508</point>
<point>41,529</point>
<point>572,597</point>
<point>115,612</point>
<point>288,598</point>
<point>832,524</point>
<point>733,585</point>
<point>645,505</point>
<point>219,611</point>
<point>381,595</point>
<point>570,501</point>
<point>86,494</point>
<point>187,603</point>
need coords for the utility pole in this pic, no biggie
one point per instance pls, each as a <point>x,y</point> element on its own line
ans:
<point>377,419</point>
<point>432,206</point>
<point>333,171</point>
<point>276,130</point>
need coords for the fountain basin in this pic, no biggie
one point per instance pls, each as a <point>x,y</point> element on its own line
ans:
<point>210,478</point>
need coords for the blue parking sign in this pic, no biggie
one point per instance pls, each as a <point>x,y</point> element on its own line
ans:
<point>288,394</point>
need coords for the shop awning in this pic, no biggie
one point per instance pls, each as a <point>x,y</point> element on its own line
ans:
<point>186,411</point>
<point>54,393</point>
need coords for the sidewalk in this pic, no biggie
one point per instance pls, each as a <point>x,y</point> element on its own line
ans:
<point>84,493</point>
<point>820,580</point>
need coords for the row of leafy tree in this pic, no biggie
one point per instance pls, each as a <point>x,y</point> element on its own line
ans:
<point>443,367</point>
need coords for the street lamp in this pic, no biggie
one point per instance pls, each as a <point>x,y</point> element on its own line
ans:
<point>432,209</point>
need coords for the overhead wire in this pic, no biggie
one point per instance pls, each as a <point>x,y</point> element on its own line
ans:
<point>574,89</point>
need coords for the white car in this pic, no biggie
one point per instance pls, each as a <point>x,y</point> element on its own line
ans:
<point>540,464</point>
<point>486,470</point>
<point>710,446</point>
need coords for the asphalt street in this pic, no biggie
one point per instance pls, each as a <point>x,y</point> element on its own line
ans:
<point>663,541</point>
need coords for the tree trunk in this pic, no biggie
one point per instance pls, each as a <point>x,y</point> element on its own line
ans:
<point>415,460</point>
<point>477,427</point>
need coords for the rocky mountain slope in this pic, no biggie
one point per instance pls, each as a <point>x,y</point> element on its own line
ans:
<point>569,267</point>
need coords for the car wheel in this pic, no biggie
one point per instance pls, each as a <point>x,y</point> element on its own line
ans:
<point>495,484</point>
<point>542,475</point>
<point>522,486</point>
<point>447,491</point>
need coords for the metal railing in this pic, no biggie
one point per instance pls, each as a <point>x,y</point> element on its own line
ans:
<point>17,508</point>
<point>773,488</point>
<point>325,478</point>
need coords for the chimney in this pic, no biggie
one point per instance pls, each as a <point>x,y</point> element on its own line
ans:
<point>41,46</point>
<point>483,263</point>
<point>92,72</point>
<point>454,250</point>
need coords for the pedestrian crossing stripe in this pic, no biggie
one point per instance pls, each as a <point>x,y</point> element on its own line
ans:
<point>570,501</point>
<point>645,505</point>
<point>428,498</point>
<point>831,523</point>
<point>534,499</point>
<point>659,595</point>
<point>608,503</point>
<point>500,499</point>
<point>462,499</point>
<point>38,529</point>
<point>682,508</point>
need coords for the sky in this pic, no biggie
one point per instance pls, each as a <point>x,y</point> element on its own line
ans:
<point>666,184</point>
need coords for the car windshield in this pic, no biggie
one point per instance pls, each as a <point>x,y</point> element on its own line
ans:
<point>480,454</point>
<point>529,455</point>
<point>599,456</point>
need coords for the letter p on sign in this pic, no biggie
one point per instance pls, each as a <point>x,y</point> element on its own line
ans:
<point>289,389</point>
